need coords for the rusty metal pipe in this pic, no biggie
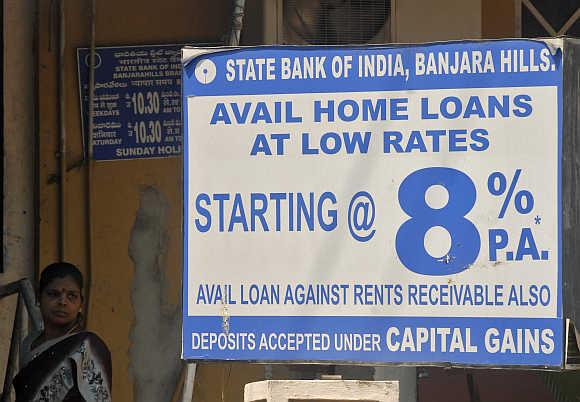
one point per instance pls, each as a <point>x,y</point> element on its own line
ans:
<point>62,131</point>
<point>88,152</point>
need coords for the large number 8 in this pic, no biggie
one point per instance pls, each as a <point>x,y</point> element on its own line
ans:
<point>465,240</point>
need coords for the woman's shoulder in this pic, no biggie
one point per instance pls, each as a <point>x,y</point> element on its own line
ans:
<point>89,335</point>
<point>93,340</point>
<point>93,359</point>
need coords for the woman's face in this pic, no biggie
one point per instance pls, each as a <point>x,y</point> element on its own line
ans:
<point>60,302</point>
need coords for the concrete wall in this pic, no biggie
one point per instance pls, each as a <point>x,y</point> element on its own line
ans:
<point>18,136</point>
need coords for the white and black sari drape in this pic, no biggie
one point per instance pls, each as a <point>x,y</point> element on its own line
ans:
<point>75,368</point>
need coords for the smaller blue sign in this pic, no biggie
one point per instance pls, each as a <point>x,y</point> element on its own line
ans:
<point>137,104</point>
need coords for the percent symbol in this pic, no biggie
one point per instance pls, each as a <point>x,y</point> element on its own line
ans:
<point>497,184</point>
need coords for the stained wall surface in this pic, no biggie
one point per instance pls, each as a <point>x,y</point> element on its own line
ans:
<point>18,159</point>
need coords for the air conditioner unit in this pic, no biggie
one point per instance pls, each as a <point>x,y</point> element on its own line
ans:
<point>327,22</point>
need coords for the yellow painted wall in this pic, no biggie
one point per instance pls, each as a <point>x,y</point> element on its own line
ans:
<point>430,21</point>
<point>129,244</point>
<point>498,19</point>
<point>18,159</point>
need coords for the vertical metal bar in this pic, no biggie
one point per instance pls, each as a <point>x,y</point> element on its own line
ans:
<point>92,21</point>
<point>62,130</point>
<point>279,21</point>
<point>89,158</point>
<point>3,133</point>
<point>393,22</point>
<point>518,17</point>
<point>14,347</point>
<point>472,388</point>
<point>272,11</point>
<point>237,22</point>
<point>36,150</point>
<point>189,382</point>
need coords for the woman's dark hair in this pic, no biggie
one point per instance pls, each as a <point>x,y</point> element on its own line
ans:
<point>60,270</point>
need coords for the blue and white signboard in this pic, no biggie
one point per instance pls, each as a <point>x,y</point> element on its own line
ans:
<point>137,104</point>
<point>374,204</point>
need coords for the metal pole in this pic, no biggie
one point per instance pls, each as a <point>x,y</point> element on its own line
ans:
<point>189,382</point>
<point>88,154</point>
<point>62,131</point>
<point>14,346</point>
<point>237,22</point>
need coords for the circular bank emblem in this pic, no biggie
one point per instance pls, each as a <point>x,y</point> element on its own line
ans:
<point>205,71</point>
<point>98,60</point>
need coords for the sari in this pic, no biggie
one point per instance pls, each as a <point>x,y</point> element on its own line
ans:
<point>72,368</point>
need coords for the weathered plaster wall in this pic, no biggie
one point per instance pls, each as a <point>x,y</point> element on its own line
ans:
<point>156,315</point>
<point>18,136</point>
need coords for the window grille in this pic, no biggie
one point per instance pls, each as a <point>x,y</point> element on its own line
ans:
<point>333,22</point>
<point>541,18</point>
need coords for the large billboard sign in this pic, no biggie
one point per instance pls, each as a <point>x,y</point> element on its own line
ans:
<point>391,204</point>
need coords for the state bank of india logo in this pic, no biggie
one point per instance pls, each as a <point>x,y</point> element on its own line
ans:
<point>205,71</point>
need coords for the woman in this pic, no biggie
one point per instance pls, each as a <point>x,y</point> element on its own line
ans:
<point>63,362</point>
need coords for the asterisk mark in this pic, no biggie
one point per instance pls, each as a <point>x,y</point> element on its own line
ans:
<point>538,219</point>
